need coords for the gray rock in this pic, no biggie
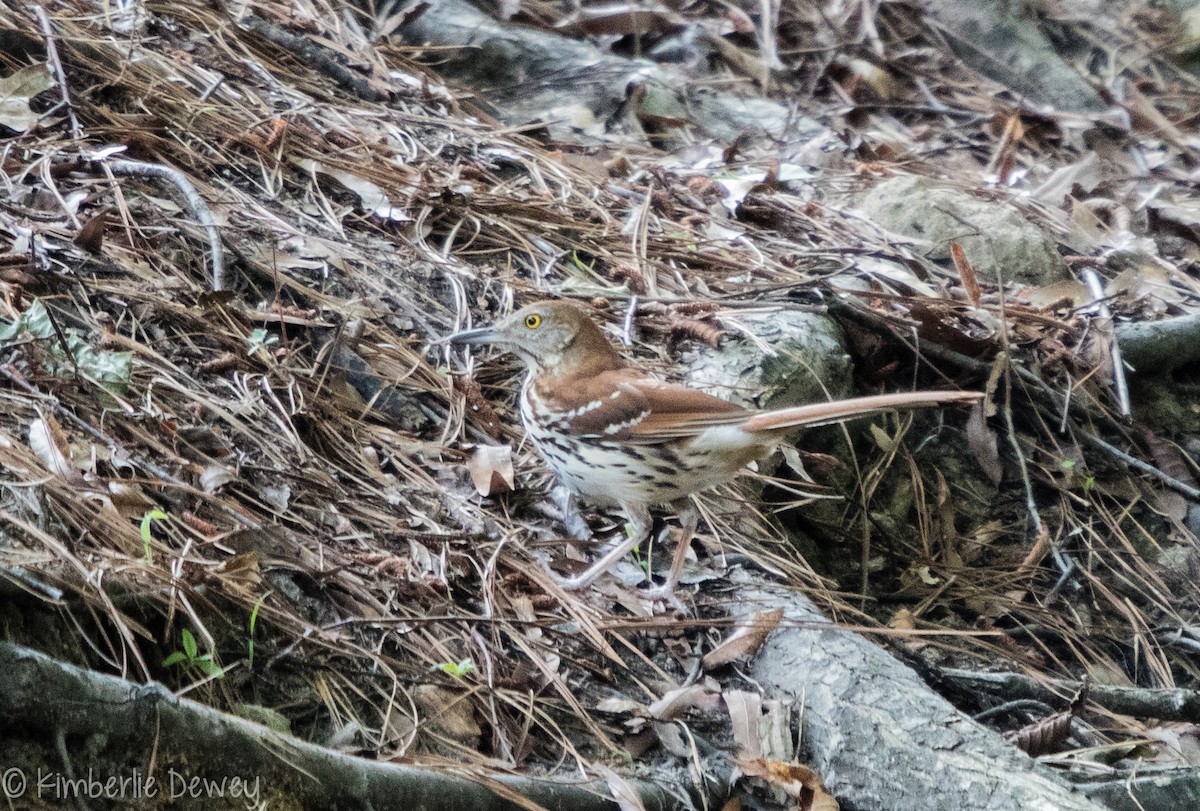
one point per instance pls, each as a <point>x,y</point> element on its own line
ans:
<point>1001,39</point>
<point>1001,244</point>
<point>805,361</point>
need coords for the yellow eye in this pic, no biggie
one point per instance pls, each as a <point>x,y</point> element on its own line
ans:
<point>533,321</point>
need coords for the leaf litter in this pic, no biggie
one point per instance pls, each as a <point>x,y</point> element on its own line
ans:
<point>392,570</point>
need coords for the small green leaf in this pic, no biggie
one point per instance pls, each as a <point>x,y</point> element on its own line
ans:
<point>1067,464</point>
<point>212,669</point>
<point>150,516</point>
<point>253,622</point>
<point>175,658</point>
<point>259,339</point>
<point>456,669</point>
<point>189,645</point>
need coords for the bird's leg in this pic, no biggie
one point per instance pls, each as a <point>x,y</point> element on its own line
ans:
<point>689,519</point>
<point>640,524</point>
<point>573,520</point>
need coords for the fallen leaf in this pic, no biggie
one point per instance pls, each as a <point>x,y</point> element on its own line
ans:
<point>745,641</point>
<point>903,620</point>
<point>91,235</point>
<point>678,701</point>
<point>981,439</point>
<point>447,712</point>
<point>745,711</point>
<point>16,90</point>
<point>491,469</point>
<point>618,705</point>
<point>966,272</point>
<point>128,499</point>
<point>213,477</point>
<point>370,196</point>
<point>797,781</point>
<point>622,791</point>
<point>50,445</point>
<point>1043,736</point>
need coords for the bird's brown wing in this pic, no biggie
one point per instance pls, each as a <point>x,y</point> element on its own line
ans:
<point>625,404</point>
<point>677,412</point>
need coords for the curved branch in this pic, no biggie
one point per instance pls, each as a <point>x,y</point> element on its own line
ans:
<point>45,698</point>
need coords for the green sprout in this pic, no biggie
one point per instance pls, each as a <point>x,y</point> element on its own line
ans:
<point>191,657</point>
<point>260,339</point>
<point>456,669</point>
<point>253,623</point>
<point>147,538</point>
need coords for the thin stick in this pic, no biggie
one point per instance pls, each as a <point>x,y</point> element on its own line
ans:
<point>56,65</point>
<point>1120,386</point>
<point>194,202</point>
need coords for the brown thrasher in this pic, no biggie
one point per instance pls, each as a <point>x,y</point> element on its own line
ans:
<point>614,435</point>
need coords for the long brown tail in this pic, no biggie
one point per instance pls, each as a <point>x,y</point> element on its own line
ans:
<point>840,410</point>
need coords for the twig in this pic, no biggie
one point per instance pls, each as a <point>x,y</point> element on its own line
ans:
<point>315,57</point>
<point>193,199</point>
<point>1120,386</point>
<point>1168,704</point>
<point>1032,704</point>
<point>1030,501</point>
<point>21,578</point>
<point>1184,490</point>
<point>56,65</point>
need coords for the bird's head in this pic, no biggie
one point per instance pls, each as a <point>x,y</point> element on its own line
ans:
<point>549,336</point>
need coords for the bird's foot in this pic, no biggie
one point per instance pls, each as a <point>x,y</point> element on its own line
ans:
<point>587,577</point>
<point>572,518</point>
<point>664,593</point>
<point>565,583</point>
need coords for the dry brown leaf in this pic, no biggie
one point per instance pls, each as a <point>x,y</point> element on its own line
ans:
<point>797,781</point>
<point>1148,284</point>
<point>981,439</point>
<point>214,477</point>
<point>619,706</point>
<point>1145,117</point>
<point>449,713</point>
<point>128,499</point>
<point>1042,736</point>
<point>966,272</point>
<point>745,641</point>
<point>1170,460</point>
<point>91,235</point>
<point>903,620</point>
<point>971,331</point>
<point>678,701</point>
<point>1003,157</point>
<point>491,469</point>
<point>1068,293</point>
